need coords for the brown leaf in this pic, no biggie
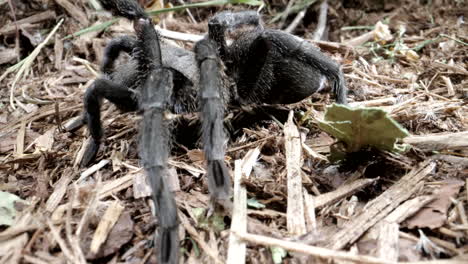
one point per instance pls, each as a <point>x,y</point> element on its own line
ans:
<point>434,214</point>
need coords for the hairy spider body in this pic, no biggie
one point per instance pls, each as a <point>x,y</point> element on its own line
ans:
<point>259,66</point>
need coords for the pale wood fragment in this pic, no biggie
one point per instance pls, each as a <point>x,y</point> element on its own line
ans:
<point>343,191</point>
<point>309,205</point>
<point>59,191</point>
<point>408,209</point>
<point>295,211</point>
<point>110,217</point>
<point>237,248</point>
<point>309,250</point>
<point>387,242</point>
<point>448,83</point>
<point>381,206</point>
<point>243,168</point>
<point>436,142</point>
<point>93,169</point>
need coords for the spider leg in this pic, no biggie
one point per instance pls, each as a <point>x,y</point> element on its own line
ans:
<point>112,51</point>
<point>287,62</point>
<point>154,152</point>
<point>124,98</point>
<point>212,110</point>
<point>312,57</point>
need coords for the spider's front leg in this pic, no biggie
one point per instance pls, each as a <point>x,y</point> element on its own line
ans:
<point>154,152</point>
<point>124,98</point>
<point>154,140</point>
<point>120,95</point>
<point>212,110</point>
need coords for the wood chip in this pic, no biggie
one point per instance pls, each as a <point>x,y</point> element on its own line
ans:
<point>295,211</point>
<point>243,168</point>
<point>342,192</point>
<point>108,220</point>
<point>309,250</point>
<point>437,142</point>
<point>387,242</point>
<point>381,206</point>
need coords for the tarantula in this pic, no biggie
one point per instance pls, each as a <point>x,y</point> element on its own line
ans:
<point>259,66</point>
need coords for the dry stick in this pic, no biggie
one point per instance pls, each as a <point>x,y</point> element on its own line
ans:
<point>381,206</point>
<point>296,21</point>
<point>35,116</point>
<point>309,250</point>
<point>309,205</point>
<point>248,145</point>
<point>437,142</point>
<point>73,240</point>
<point>342,192</point>
<point>408,208</point>
<point>237,249</point>
<point>295,211</point>
<point>322,21</point>
<point>286,12</point>
<point>243,168</point>
<point>387,242</point>
<point>63,246</point>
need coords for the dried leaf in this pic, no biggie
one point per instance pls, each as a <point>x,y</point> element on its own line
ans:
<point>434,214</point>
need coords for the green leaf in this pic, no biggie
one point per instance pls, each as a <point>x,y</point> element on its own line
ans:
<point>7,208</point>
<point>277,254</point>
<point>364,126</point>
<point>98,27</point>
<point>215,221</point>
<point>252,202</point>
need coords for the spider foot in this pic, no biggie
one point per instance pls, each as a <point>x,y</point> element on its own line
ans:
<point>90,152</point>
<point>168,241</point>
<point>219,180</point>
<point>74,124</point>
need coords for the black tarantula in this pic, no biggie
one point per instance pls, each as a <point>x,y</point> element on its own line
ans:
<point>259,66</point>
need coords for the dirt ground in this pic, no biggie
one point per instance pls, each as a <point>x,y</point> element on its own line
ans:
<point>409,58</point>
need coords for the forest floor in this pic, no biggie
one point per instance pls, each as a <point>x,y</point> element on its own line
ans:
<point>408,58</point>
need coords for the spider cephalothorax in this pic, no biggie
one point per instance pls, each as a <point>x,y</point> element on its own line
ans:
<point>258,66</point>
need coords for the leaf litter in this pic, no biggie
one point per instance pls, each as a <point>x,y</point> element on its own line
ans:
<point>408,59</point>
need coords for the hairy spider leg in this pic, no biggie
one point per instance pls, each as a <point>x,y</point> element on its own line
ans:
<point>117,94</point>
<point>154,142</point>
<point>288,47</point>
<point>212,111</point>
<point>111,53</point>
<point>114,48</point>
<point>154,152</point>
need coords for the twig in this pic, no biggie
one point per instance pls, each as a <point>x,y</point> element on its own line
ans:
<point>296,21</point>
<point>309,250</point>
<point>295,210</point>
<point>322,21</point>
<point>237,249</point>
